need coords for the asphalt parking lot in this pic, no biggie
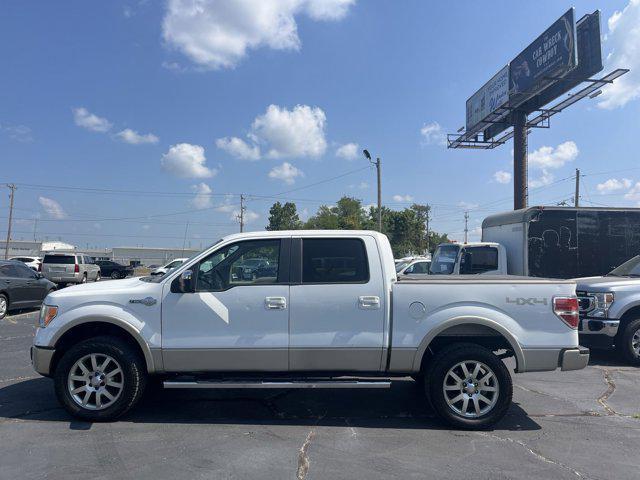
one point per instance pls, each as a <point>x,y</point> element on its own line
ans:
<point>583,424</point>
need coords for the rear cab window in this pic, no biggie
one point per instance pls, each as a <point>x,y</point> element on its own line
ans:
<point>483,259</point>
<point>60,259</point>
<point>334,260</point>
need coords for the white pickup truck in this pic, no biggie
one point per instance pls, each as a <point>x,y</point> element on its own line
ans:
<point>324,311</point>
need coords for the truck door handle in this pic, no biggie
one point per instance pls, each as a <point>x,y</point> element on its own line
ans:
<point>369,302</point>
<point>275,303</point>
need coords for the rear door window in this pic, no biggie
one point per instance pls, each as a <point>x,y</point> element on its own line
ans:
<point>483,259</point>
<point>59,259</point>
<point>7,271</point>
<point>334,260</point>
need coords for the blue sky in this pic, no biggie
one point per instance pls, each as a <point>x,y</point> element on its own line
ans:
<point>156,102</point>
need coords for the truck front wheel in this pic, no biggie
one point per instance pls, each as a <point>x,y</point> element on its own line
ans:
<point>469,386</point>
<point>100,379</point>
<point>629,342</point>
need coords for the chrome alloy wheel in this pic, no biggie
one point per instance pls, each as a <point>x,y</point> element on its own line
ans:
<point>3,306</point>
<point>635,340</point>
<point>95,381</point>
<point>471,389</point>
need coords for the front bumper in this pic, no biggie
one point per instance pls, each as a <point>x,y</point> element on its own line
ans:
<point>41,359</point>
<point>598,332</point>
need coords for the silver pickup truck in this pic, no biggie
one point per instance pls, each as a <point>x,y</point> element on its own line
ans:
<point>327,312</point>
<point>610,310</point>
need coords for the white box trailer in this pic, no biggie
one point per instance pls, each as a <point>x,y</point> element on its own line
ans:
<point>565,242</point>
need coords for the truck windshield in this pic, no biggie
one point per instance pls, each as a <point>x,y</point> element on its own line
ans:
<point>444,260</point>
<point>400,266</point>
<point>630,268</point>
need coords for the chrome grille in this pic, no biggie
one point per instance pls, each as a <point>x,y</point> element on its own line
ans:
<point>586,302</point>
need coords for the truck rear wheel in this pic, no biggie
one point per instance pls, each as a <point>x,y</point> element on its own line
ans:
<point>468,386</point>
<point>100,379</point>
<point>629,342</point>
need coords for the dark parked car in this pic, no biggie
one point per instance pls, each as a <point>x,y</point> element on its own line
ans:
<point>114,269</point>
<point>21,287</point>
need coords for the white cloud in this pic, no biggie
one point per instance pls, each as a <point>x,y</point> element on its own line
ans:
<point>238,148</point>
<point>286,172</point>
<point>613,184</point>
<point>402,198</point>
<point>131,136</point>
<point>433,134</point>
<point>502,177</point>
<point>467,205</point>
<point>363,185</point>
<point>249,216</point>
<point>545,179</point>
<point>549,157</point>
<point>623,43</point>
<point>633,193</point>
<point>292,133</point>
<point>348,151</point>
<point>186,161</point>
<point>228,205</point>
<point>216,34</point>
<point>53,208</point>
<point>284,133</point>
<point>85,119</point>
<point>202,199</point>
<point>19,133</point>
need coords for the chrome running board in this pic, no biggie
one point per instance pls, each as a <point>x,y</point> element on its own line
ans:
<point>279,384</point>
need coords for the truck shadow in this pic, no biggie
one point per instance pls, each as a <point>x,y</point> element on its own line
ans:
<point>606,358</point>
<point>402,406</point>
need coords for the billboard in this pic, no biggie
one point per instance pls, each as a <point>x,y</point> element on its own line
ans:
<point>491,96</point>
<point>552,54</point>
<point>589,62</point>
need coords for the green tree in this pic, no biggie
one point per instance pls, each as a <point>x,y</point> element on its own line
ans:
<point>284,217</point>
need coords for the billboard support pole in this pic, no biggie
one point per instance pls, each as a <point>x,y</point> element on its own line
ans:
<point>520,161</point>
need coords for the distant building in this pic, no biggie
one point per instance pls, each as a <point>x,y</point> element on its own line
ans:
<point>19,248</point>
<point>126,255</point>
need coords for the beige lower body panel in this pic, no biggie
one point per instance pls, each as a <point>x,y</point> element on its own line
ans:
<point>226,360</point>
<point>335,359</point>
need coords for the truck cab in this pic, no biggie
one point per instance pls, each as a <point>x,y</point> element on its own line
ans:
<point>475,258</point>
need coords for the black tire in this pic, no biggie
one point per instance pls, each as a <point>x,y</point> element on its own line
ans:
<point>134,377</point>
<point>624,343</point>
<point>4,298</point>
<point>115,275</point>
<point>448,358</point>
<point>84,278</point>
<point>98,277</point>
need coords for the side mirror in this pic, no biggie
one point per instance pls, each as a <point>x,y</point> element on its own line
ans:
<point>184,283</point>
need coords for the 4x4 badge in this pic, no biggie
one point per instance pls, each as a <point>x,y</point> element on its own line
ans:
<point>527,301</point>
<point>148,301</point>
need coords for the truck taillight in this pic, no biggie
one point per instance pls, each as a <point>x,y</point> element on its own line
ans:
<point>566,309</point>
<point>77,268</point>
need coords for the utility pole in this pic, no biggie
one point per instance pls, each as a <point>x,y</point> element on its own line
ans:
<point>520,160</point>
<point>427,226</point>
<point>379,195</point>
<point>35,228</point>
<point>241,215</point>
<point>378,165</point>
<point>12,187</point>
<point>576,201</point>
<point>466,227</point>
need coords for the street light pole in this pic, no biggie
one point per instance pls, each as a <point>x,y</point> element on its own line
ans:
<point>378,164</point>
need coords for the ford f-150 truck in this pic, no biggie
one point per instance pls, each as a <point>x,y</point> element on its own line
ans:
<point>610,310</point>
<point>331,315</point>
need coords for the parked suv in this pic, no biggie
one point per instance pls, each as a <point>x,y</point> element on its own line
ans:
<point>114,270</point>
<point>610,310</point>
<point>63,268</point>
<point>32,262</point>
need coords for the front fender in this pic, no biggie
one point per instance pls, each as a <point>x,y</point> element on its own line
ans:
<point>144,335</point>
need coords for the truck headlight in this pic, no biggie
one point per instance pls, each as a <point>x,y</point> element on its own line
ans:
<point>602,303</point>
<point>47,313</point>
